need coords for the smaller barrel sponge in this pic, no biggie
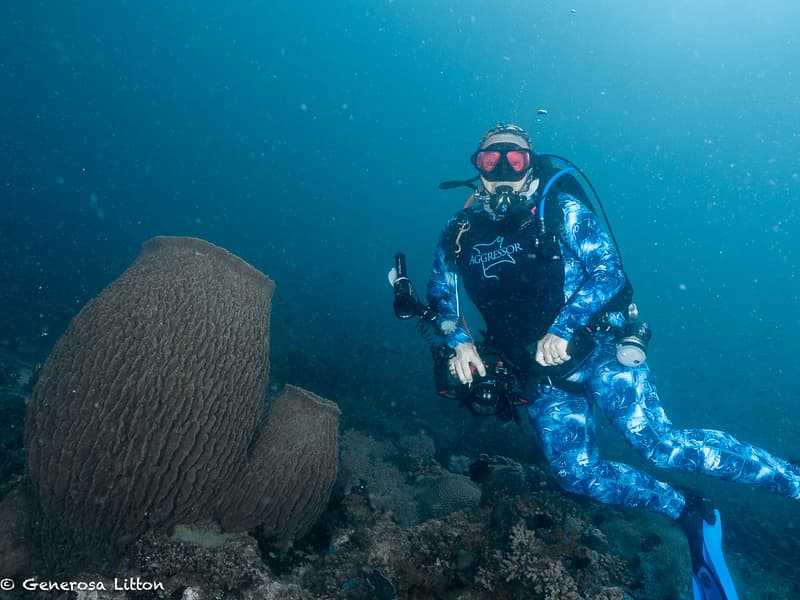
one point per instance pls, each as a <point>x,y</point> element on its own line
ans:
<point>146,414</point>
<point>299,432</point>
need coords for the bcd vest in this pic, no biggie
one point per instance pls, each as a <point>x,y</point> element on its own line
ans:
<point>514,275</point>
<point>513,272</point>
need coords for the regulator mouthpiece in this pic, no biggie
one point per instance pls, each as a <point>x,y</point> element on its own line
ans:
<point>501,201</point>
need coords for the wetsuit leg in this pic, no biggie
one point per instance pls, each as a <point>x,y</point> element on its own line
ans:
<point>629,400</point>
<point>566,428</point>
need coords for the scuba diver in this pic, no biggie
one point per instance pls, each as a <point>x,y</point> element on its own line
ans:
<point>563,335</point>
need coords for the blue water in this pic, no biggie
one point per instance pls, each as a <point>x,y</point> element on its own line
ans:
<point>309,139</point>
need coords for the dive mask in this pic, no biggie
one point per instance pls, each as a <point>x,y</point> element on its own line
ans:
<point>504,161</point>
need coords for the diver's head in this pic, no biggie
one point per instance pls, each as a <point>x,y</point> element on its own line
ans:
<point>504,158</point>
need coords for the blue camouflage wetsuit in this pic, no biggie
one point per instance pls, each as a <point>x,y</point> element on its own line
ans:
<point>494,265</point>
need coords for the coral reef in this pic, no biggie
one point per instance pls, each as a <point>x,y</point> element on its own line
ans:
<point>549,552</point>
<point>440,495</point>
<point>537,544</point>
<point>403,478</point>
<point>368,465</point>
<point>524,540</point>
<point>208,562</point>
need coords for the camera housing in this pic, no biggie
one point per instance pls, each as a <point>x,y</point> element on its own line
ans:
<point>491,395</point>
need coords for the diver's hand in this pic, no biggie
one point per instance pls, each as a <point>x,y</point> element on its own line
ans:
<point>461,364</point>
<point>551,351</point>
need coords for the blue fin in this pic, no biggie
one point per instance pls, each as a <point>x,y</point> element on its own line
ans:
<point>711,579</point>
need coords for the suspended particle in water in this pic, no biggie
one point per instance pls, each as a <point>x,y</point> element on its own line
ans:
<point>541,111</point>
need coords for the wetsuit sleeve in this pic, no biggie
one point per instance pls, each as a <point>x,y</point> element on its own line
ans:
<point>592,268</point>
<point>443,292</point>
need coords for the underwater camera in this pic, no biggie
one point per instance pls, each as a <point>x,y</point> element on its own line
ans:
<point>491,395</point>
<point>485,396</point>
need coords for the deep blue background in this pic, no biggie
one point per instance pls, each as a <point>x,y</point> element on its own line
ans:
<point>309,137</point>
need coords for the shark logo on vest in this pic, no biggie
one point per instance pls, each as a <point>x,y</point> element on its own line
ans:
<point>492,254</point>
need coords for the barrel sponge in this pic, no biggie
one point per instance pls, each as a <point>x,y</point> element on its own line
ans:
<point>289,476</point>
<point>145,409</point>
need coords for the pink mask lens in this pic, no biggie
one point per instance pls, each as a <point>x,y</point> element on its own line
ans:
<point>518,160</point>
<point>487,160</point>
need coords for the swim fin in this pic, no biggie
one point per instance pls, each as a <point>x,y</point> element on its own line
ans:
<point>711,579</point>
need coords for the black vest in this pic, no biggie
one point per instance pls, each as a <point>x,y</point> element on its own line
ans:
<point>513,274</point>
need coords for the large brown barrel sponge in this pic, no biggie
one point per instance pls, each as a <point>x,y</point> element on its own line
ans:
<point>144,411</point>
<point>291,471</point>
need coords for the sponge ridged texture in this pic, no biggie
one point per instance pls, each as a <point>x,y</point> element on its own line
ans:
<point>300,430</point>
<point>144,411</point>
